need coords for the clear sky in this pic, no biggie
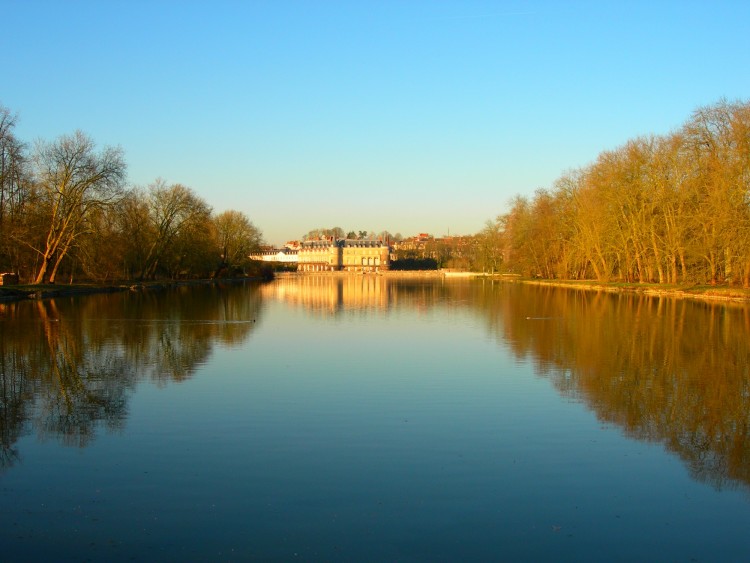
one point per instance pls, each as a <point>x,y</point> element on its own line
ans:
<point>410,116</point>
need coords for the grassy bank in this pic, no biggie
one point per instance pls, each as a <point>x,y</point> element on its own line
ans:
<point>45,291</point>
<point>42,291</point>
<point>696,291</point>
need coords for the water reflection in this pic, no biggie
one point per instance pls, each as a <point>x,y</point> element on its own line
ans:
<point>67,366</point>
<point>332,294</point>
<point>665,370</point>
<point>671,371</point>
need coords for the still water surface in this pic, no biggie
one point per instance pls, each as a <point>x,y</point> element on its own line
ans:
<point>374,419</point>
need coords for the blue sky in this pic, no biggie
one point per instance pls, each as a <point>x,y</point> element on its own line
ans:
<point>369,115</point>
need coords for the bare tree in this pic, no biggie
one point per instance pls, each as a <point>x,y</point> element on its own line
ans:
<point>73,181</point>
<point>718,140</point>
<point>13,187</point>
<point>657,209</point>
<point>173,210</point>
<point>237,237</point>
<point>490,246</point>
<point>137,231</point>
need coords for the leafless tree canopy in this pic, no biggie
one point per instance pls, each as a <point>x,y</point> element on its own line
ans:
<point>73,182</point>
<point>667,209</point>
<point>65,209</point>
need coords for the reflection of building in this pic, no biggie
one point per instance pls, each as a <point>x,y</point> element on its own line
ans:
<point>349,255</point>
<point>334,293</point>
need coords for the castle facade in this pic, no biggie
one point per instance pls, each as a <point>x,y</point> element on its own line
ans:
<point>347,255</point>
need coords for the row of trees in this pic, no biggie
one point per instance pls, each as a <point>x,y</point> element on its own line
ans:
<point>65,209</point>
<point>339,233</point>
<point>666,209</point>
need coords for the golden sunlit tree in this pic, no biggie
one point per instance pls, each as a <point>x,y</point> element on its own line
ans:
<point>73,181</point>
<point>663,209</point>
<point>237,237</point>
<point>173,211</point>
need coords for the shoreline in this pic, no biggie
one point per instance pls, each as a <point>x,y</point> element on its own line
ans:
<point>690,291</point>
<point>720,293</point>
<point>31,292</point>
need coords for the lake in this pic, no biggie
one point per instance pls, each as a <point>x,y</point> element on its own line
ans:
<point>374,418</point>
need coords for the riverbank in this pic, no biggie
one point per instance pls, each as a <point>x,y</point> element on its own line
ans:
<point>693,291</point>
<point>46,291</point>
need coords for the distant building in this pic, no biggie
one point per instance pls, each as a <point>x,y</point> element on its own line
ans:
<point>286,255</point>
<point>447,252</point>
<point>348,255</point>
<point>417,244</point>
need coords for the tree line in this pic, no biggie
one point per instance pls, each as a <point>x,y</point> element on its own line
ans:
<point>669,209</point>
<point>666,209</point>
<point>339,233</point>
<point>66,212</point>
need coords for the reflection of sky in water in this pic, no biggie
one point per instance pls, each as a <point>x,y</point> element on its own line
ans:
<point>406,433</point>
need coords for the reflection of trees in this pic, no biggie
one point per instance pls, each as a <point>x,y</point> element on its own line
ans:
<point>664,369</point>
<point>167,334</point>
<point>83,384</point>
<point>15,393</point>
<point>68,365</point>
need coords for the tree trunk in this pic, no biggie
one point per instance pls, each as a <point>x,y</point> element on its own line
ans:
<point>712,267</point>
<point>42,271</point>
<point>728,265</point>
<point>673,269</point>
<point>683,266</point>
<point>639,265</point>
